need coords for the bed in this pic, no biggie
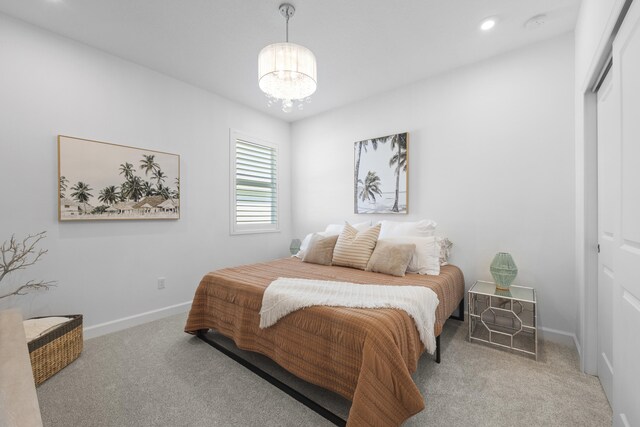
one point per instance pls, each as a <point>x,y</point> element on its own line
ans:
<point>364,355</point>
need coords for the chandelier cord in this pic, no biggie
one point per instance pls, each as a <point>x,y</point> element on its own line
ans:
<point>287,31</point>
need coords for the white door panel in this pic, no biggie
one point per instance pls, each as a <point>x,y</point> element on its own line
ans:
<point>608,185</point>
<point>626,253</point>
<point>605,331</point>
<point>628,48</point>
<point>628,394</point>
<point>608,126</point>
<point>628,257</point>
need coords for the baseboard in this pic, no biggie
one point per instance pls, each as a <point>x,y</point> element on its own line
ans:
<point>578,346</point>
<point>137,319</point>
<point>561,337</point>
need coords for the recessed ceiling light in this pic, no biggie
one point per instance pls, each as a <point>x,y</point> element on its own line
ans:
<point>488,23</point>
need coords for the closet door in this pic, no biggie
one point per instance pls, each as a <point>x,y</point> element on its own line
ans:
<point>608,195</point>
<point>626,255</point>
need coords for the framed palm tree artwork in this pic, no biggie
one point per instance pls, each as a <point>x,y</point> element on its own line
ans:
<point>380,174</point>
<point>103,181</point>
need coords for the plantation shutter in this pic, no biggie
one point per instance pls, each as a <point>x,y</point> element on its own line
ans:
<point>255,186</point>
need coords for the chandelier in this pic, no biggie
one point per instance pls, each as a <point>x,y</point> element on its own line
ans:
<point>287,71</point>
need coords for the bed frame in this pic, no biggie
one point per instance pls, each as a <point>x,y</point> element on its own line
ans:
<point>314,406</point>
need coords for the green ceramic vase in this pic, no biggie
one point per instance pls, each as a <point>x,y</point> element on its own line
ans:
<point>503,270</point>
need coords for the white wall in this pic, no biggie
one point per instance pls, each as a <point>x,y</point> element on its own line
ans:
<point>594,27</point>
<point>107,270</point>
<point>491,159</point>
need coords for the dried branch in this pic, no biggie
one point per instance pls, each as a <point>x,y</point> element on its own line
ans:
<point>16,255</point>
<point>31,286</point>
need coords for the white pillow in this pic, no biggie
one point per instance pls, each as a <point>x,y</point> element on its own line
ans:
<point>333,229</point>
<point>426,257</point>
<point>423,228</point>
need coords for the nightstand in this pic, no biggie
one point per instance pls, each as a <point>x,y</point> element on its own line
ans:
<point>505,319</point>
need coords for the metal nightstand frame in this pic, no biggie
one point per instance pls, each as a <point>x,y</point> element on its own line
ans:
<point>500,310</point>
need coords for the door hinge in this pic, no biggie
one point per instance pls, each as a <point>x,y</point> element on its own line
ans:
<point>598,247</point>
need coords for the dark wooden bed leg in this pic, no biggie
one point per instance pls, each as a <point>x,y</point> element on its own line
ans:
<point>459,317</point>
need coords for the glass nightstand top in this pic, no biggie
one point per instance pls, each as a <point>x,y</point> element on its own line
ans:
<point>520,293</point>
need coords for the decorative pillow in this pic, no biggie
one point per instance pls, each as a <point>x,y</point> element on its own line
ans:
<point>423,228</point>
<point>320,250</point>
<point>426,257</point>
<point>337,228</point>
<point>305,244</point>
<point>391,258</point>
<point>353,248</point>
<point>331,230</point>
<point>445,249</point>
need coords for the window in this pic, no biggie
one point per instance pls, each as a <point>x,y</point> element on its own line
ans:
<point>254,185</point>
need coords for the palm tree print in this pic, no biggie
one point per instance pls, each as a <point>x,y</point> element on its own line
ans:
<point>370,187</point>
<point>81,193</point>
<point>133,189</point>
<point>390,150</point>
<point>399,159</point>
<point>142,182</point>
<point>163,191</point>
<point>63,186</point>
<point>99,210</point>
<point>126,169</point>
<point>176,193</point>
<point>147,189</point>
<point>109,195</point>
<point>359,146</point>
<point>159,176</point>
<point>148,164</point>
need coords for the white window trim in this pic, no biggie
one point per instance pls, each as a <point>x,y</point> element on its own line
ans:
<point>234,228</point>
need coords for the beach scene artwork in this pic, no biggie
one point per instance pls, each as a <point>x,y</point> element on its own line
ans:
<point>380,174</point>
<point>103,181</point>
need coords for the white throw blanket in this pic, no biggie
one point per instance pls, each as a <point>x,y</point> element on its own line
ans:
<point>286,295</point>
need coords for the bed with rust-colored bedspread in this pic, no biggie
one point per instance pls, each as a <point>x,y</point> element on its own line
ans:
<point>365,355</point>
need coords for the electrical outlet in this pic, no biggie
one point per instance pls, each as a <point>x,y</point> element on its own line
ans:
<point>160,282</point>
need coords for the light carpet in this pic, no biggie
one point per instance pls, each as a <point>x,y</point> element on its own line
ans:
<point>156,375</point>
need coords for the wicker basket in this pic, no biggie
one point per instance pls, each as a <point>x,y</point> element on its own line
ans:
<point>56,349</point>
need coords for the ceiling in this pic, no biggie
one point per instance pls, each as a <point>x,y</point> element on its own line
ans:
<point>363,47</point>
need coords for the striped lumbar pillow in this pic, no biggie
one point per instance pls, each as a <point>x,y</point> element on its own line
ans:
<point>354,249</point>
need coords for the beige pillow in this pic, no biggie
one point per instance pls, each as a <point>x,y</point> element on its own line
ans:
<point>354,249</point>
<point>426,257</point>
<point>391,258</point>
<point>320,250</point>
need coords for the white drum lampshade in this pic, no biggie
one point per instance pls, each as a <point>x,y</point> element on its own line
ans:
<point>287,71</point>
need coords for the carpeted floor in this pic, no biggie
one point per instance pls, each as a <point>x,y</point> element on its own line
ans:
<point>155,375</point>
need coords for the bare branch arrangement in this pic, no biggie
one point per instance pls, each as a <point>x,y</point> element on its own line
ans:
<point>18,255</point>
